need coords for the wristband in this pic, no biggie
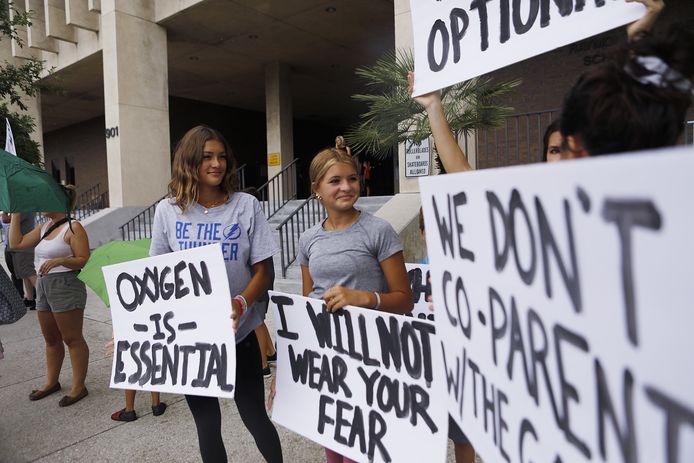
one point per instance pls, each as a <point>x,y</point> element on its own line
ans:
<point>378,301</point>
<point>242,302</point>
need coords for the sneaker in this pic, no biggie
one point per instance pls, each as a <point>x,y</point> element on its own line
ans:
<point>122,415</point>
<point>272,358</point>
<point>267,373</point>
<point>158,410</point>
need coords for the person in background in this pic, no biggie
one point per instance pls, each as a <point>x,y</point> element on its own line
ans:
<point>23,260</point>
<point>204,191</point>
<point>62,249</point>
<point>268,354</point>
<point>17,282</point>
<point>552,142</point>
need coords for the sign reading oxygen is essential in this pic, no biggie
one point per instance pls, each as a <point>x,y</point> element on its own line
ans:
<point>171,324</point>
<point>457,40</point>
<point>366,384</point>
<point>565,307</point>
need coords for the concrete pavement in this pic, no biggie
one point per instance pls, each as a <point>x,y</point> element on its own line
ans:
<point>43,432</point>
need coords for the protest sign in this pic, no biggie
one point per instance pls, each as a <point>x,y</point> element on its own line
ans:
<point>457,40</point>
<point>418,275</point>
<point>564,306</point>
<point>171,324</point>
<point>361,382</point>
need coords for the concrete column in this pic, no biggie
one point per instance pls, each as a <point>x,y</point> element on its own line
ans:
<point>278,115</point>
<point>136,100</point>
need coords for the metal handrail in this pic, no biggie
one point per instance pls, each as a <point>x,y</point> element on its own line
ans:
<point>517,141</point>
<point>278,190</point>
<point>309,213</point>
<point>140,226</point>
<point>689,133</point>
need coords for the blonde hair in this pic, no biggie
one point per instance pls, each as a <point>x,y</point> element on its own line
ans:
<point>324,160</point>
<point>183,187</point>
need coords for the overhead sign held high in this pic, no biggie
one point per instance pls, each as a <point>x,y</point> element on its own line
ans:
<point>458,40</point>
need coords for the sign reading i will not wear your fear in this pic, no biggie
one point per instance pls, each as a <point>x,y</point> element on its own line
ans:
<point>364,383</point>
<point>565,307</point>
<point>171,324</point>
<point>457,40</point>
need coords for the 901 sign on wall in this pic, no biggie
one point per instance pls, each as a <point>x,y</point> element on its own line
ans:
<point>112,132</point>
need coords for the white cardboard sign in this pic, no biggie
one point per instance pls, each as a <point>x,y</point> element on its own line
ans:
<point>171,324</point>
<point>457,40</point>
<point>565,305</point>
<point>361,382</point>
<point>420,285</point>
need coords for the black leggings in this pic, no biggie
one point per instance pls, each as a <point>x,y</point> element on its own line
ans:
<point>250,400</point>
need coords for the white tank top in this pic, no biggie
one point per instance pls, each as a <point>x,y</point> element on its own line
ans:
<point>52,248</point>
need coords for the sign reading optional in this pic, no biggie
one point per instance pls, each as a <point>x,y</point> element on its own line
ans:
<point>457,40</point>
<point>417,158</point>
<point>171,324</point>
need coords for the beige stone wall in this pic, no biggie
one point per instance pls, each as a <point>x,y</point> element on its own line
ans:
<point>84,147</point>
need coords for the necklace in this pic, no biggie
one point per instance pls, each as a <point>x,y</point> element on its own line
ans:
<point>213,204</point>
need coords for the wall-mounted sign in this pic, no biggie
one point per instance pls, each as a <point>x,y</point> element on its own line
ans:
<point>417,158</point>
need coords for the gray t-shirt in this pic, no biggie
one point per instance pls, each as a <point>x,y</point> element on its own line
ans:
<point>241,228</point>
<point>349,257</point>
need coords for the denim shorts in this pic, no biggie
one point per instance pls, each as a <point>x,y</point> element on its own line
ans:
<point>60,292</point>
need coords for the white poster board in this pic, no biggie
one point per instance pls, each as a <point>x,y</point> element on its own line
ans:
<point>171,324</point>
<point>457,40</point>
<point>567,307</point>
<point>417,158</point>
<point>361,382</point>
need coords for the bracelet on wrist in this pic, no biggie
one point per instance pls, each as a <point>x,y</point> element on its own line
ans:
<point>242,303</point>
<point>378,301</point>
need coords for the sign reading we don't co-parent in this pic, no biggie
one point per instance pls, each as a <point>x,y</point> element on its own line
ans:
<point>171,324</point>
<point>366,384</point>
<point>564,307</point>
<point>457,40</point>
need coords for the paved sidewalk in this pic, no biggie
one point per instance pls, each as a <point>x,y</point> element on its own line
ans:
<point>43,432</point>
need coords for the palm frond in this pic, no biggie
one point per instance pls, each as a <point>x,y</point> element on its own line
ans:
<point>392,116</point>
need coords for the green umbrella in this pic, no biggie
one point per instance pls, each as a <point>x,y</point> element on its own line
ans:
<point>111,253</point>
<point>25,187</point>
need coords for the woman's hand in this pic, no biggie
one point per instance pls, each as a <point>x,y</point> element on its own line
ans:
<point>646,22</point>
<point>235,314</point>
<point>51,264</point>
<point>428,100</point>
<point>338,296</point>
<point>271,395</point>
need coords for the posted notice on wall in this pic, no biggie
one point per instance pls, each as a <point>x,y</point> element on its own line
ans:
<point>171,324</point>
<point>417,158</point>
<point>457,40</point>
<point>364,383</point>
<point>564,303</point>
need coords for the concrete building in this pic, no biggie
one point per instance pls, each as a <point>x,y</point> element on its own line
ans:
<point>274,76</point>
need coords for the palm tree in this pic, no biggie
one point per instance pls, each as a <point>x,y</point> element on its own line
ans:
<point>393,116</point>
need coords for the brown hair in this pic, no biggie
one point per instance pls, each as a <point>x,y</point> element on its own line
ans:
<point>183,187</point>
<point>71,192</point>
<point>327,158</point>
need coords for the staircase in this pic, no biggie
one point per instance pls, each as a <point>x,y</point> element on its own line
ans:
<point>292,282</point>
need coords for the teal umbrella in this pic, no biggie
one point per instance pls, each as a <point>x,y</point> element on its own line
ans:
<point>111,253</point>
<point>25,187</point>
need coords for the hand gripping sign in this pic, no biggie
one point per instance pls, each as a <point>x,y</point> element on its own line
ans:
<point>564,305</point>
<point>364,383</point>
<point>171,324</point>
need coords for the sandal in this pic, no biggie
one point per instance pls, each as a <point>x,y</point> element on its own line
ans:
<point>38,394</point>
<point>122,415</point>
<point>66,401</point>
<point>158,410</point>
